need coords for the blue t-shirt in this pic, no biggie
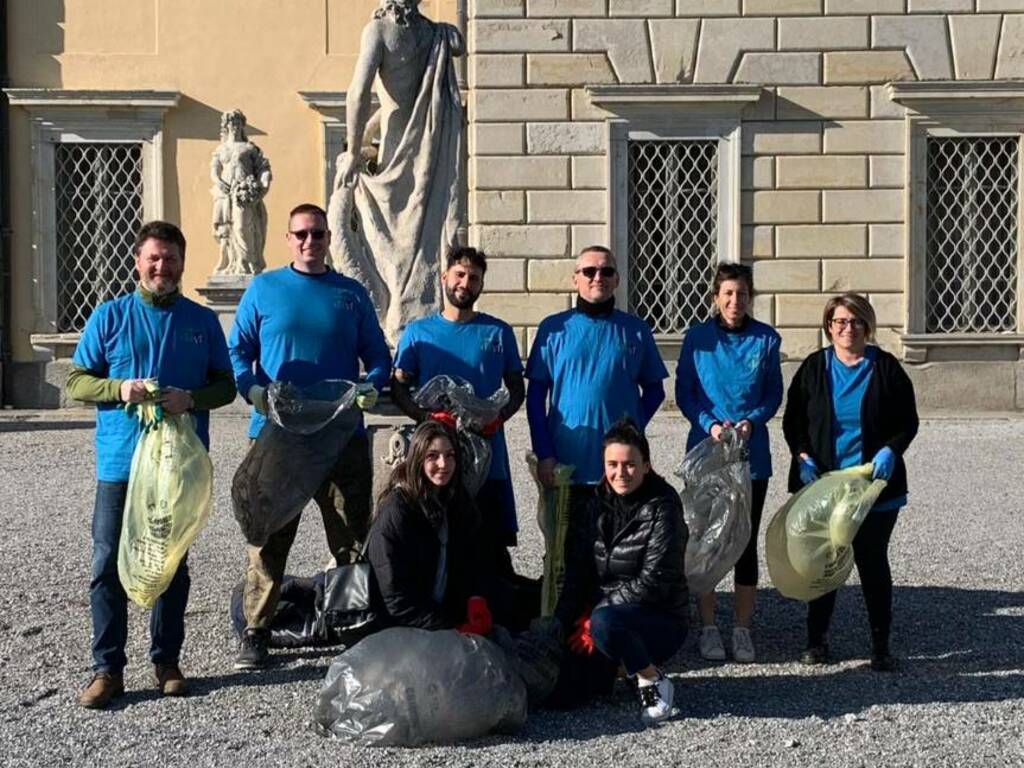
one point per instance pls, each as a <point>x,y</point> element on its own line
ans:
<point>726,375</point>
<point>480,351</point>
<point>127,338</point>
<point>848,385</point>
<point>301,328</point>
<point>594,366</point>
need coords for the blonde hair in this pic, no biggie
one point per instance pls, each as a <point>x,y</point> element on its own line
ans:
<point>856,305</point>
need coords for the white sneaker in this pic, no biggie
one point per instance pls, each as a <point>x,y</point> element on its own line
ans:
<point>655,699</point>
<point>711,647</point>
<point>742,645</point>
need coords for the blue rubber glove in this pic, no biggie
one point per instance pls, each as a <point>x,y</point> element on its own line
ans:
<point>883,464</point>
<point>808,471</point>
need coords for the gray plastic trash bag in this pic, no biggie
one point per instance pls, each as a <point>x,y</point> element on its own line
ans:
<point>457,397</point>
<point>405,686</point>
<point>306,431</point>
<point>716,500</point>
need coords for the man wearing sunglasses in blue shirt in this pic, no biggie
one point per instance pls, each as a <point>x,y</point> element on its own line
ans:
<point>302,324</point>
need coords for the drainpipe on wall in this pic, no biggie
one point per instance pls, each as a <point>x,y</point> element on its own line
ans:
<point>6,312</point>
<point>461,64</point>
<point>461,15</point>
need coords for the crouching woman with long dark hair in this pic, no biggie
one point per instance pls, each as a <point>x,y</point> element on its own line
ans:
<point>624,557</point>
<point>422,542</point>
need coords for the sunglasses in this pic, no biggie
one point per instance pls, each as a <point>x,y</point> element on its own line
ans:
<point>591,272</point>
<point>845,322</point>
<point>302,234</point>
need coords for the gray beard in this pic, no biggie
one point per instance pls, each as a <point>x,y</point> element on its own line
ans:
<point>399,13</point>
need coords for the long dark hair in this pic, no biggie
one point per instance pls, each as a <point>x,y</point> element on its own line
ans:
<point>407,477</point>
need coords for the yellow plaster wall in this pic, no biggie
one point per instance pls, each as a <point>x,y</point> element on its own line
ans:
<point>255,55</point>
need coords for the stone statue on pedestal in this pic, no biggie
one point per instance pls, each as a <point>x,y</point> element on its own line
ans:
<point>392,225</point>
<point>241,178</point>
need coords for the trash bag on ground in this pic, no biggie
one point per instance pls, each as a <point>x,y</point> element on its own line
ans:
<point>295,620</point>
<point>170,493</point>
<point>716,500</point>
<point>404,687</point>
<point>807,545</point>
<point>306,431</point>
<point>536,655</point>
<point>553,520</point>
<point>456,396</point>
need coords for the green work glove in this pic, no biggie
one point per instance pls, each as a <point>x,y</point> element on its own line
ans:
<point>366,396</point>
<point>257,395</point>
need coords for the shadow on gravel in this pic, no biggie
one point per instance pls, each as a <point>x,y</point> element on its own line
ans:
<point>44,426</point>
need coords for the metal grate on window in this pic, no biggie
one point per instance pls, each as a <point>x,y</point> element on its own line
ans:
<point>673,231</point>
<point>972,234</point>
<point>98,190</point>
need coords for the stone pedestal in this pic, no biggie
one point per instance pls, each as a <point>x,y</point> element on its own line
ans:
<point>222,294</point>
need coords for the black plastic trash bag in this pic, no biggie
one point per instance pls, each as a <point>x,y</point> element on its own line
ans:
<point>716,500</point>
<point>306,431</point>
<point>457,397</point>
<point>294,623</point>
<point>536,655</point>
<point>405,686</point>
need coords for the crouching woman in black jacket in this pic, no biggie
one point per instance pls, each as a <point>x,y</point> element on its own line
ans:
<point>624,557</point>
<point>421,545</point>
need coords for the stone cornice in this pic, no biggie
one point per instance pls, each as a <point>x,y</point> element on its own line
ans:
<point>926,96</point>
<point>721,98</point>
<point>45,98</point>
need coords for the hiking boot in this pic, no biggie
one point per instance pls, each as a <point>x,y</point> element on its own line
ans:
<point>253,653</point>
<point>655,699</point>
<point>816,654</point>
<point>169,680</point>
<point>101,690</point>
<point>711,647</point>
<point>742,645</point>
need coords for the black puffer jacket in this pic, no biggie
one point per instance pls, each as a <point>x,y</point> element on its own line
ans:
<point>626,550</point>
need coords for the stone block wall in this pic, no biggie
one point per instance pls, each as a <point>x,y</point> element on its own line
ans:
<point>823,152</point>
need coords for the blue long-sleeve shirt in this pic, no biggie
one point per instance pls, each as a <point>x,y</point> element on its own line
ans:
<point>731,375</point>
<point>301,328</point>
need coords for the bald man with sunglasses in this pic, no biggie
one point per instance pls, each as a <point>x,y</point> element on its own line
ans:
<point>302,324</point>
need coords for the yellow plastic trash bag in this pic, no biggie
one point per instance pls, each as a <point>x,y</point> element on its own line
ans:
<point>807,545</point>
<point>170,493</point>
<point>553,520</point>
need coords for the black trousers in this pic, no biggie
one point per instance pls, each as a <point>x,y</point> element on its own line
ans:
<point>746,567</point>
<point>871,555</point>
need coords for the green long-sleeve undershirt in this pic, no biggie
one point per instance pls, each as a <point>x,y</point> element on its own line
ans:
<point>90,388</point>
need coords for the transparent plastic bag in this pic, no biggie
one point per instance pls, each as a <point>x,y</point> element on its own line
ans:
<point>170,493</point>
<point>553,521</point>
<point>716,500</point>
<point>456,396</point>
<point>307,429</point>
<point>807,545</point>
<point>405,687</point>
<point>536,655</point>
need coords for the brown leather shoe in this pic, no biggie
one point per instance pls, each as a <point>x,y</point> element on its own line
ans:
<point>101,690</point>
<point>169,680</point>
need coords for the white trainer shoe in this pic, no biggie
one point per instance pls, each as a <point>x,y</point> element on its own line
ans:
<point>711,647</point>
<point>742,645</point>
<point>656,698</point>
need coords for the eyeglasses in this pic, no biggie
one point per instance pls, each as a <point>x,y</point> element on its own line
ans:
<point>591,272</point>
<point>302,234</point>
<point>847,322</point>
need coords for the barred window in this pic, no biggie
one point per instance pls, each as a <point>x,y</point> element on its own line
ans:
<point>99,209</point>
<point>673,236</point>
<point>972,234</point>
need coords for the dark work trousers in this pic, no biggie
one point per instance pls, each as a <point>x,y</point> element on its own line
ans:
<point>636,635</point>
<point>344,501</point>
<point>746,566</point>
<point>871,554</point>
<point>109,603</point>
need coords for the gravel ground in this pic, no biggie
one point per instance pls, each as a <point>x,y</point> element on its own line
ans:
<point>958,699</point>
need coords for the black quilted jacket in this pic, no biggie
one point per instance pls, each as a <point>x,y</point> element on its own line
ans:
<point>626,550</point>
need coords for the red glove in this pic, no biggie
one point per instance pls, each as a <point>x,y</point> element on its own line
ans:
<point>490,429</point>
<point>445,418</point>
<point>478,618</point>
<point>581,642</point>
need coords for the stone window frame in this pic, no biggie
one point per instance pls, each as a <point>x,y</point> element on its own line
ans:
<point>333,110</point>
<point>964,108</point>
<point>675,112</point>
<point>59,116</point>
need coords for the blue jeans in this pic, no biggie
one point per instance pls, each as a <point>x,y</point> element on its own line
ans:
<point>108,600</point>
<point>636,635</point>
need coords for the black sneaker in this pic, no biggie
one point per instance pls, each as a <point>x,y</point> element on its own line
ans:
<point>253,653</point>
<point>883,661</point>
<point>815,655</point>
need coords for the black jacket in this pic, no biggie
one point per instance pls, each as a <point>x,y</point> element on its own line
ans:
<point>626,550</point>
<point>888,417</point>
<point>403,549</point>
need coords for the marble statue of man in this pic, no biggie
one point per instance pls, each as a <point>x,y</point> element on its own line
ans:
<point>241,178</point>
<point>393,226</point>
